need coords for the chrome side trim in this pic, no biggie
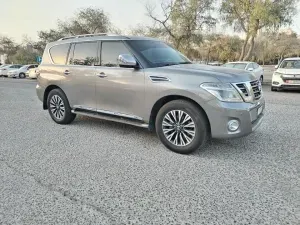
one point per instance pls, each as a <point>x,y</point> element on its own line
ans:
<point>112,118</point>
<point>107,112</point>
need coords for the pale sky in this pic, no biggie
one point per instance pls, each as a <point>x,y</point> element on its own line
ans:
<point>20,17</point>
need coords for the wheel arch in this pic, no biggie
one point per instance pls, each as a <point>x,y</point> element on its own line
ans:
<point>46,93</point>
<point>164,100</point>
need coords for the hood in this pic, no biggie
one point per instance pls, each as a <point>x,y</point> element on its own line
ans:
<point>288,71</point>
<point>223,74</point>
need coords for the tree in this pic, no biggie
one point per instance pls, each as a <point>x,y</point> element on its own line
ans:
<point>86,21</point>
<point>183,21</point>
<point>250,16</point>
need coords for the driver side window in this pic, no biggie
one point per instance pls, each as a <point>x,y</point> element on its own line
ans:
<point>110,52</point>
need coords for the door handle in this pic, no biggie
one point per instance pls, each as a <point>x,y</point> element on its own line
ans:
<point>102,75</point>
<point>67,72</point>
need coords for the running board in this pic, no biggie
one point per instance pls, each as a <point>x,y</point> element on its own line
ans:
<point>114,118</point>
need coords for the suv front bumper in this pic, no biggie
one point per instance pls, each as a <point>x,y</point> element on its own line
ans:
<point>249,116</point>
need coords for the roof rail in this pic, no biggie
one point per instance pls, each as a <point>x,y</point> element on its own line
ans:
<point>85,35</point>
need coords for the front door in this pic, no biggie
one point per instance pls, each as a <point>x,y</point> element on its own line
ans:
<point>119,90</point>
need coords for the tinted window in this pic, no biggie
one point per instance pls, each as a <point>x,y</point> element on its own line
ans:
<point>158,53</point>
<point>110,53</point>
<point>31,66</point>
<point>59,53</point>
<point>84,54</point>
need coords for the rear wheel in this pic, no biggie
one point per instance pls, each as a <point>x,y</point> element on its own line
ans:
<point>181,126</point>
<point>59,108</point>
<point>22,75</point>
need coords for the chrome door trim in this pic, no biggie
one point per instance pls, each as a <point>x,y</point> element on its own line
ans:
<point>107,112</point>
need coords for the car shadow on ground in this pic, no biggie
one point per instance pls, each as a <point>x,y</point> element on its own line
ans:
<point>214,147</point>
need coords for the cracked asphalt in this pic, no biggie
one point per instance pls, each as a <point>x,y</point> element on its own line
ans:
<point>100,172</point>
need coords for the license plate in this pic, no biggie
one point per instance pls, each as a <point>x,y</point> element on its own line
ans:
<point>293,81</point>
<point>259,110</point>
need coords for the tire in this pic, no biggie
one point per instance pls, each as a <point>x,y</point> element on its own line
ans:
<point>22,75</point>
<point>261,79</point>
<point>59,108</point>
<point>201,127</point>
<point>273,89</point>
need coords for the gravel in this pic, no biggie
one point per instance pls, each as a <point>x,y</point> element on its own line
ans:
<point>100,172</point>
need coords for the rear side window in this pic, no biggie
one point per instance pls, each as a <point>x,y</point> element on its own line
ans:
<point>111,51</point>
<point>59,53</point>
<point>84,54</point>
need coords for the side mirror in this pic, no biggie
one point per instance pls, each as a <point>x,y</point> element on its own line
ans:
<point>276,67</point>
<point>127,60</point>
<point>250,69</point>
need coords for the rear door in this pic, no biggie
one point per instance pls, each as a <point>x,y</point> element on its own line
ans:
<point>80,78</point>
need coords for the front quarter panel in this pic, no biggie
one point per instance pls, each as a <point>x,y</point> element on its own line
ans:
<point>183,84</point>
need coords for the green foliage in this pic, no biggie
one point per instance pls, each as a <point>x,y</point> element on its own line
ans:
<point>24,56</point>
<point>183,21</point>
<point>250,16</point>
<point>86,21</point>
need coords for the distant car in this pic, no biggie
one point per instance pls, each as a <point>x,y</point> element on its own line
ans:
<point>287,75</point>
<point>249,66</point>
<point>4,70</point>
<point>21,72</point>
<point>32,73</point>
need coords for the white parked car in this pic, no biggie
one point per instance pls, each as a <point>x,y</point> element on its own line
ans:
<point>249,66</point>
<point>21,72</point>
<point>4,70</point>
<point>32,73</point>
<point>287,75</point>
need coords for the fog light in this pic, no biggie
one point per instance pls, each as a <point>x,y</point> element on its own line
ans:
<point>233,125</point>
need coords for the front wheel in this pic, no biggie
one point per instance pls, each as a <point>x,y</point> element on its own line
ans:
<point>181,126</point>
<point>59,108</point>
<point>261,79</point>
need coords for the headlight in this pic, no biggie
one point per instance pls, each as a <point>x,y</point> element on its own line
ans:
<point>223,91</point>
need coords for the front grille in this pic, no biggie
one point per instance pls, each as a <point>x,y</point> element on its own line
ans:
<point>256,88</point>
<point>250,91</point>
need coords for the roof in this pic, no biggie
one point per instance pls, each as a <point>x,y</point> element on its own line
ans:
<point>97,37</point>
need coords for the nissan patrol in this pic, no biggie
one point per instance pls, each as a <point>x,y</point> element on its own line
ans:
<point>145,82</point>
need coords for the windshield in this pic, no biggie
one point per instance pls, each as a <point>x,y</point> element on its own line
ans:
<point>290,64</point>
<point>24,67</point>
<point>236,65</point>
<point>158,53</point>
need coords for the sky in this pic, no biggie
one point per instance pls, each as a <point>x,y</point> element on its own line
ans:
<point>26,17</point>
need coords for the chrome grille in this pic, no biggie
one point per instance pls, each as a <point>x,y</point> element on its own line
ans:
<point>250,91</point>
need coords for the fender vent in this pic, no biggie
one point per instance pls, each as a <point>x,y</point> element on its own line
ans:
<point>159,79</point>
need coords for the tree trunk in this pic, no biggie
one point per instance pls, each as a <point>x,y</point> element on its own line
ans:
<point>250,49</point>
<point>244,48</point>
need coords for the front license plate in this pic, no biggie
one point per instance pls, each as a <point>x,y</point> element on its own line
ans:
<point>259,110</point>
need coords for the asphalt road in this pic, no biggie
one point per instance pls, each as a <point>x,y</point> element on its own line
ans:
<point>99,172</point>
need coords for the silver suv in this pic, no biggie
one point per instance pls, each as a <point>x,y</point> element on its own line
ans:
<point>144,82</point>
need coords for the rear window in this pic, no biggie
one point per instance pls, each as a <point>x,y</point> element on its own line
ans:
<point>59,53</point>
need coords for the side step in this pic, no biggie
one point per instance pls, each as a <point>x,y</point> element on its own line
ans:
<point>115,118</point>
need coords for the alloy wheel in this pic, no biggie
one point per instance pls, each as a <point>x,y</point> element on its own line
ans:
<point>57,107</point>
<point>179,128</point>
